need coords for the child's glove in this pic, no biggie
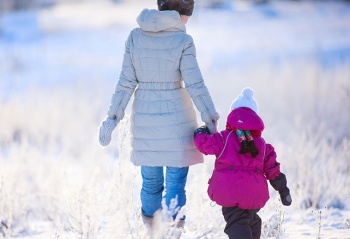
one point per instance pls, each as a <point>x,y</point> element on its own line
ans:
<point>202,129</point>
<point>106,129</point>
<point>280,184</point>
<point>286,199</point>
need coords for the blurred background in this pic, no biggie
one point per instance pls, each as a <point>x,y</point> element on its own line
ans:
<point>60,61</point>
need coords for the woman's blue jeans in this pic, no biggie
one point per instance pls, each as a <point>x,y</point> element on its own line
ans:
<point>153,187</point>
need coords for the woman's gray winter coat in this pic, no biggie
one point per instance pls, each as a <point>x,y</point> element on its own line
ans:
<point>160,63</point>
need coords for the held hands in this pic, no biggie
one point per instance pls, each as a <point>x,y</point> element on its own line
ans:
<point>213,126</point>
<point>106,129</point>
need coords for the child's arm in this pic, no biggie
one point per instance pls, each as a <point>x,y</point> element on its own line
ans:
<point>208,143</point>
<point>271,166</point>
<point>277,179</point>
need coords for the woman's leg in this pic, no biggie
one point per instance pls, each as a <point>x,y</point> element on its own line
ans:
<point>175,182</point>
<point>152,189</point>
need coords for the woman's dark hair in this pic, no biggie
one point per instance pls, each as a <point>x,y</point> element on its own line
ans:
<point>183,7</point>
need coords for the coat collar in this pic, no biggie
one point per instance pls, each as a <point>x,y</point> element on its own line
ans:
<point>152,20</point>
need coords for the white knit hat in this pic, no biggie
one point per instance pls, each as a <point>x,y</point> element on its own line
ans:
<point>245,99</point>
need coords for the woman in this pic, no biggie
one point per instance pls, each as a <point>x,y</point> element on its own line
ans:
<point>160,63</point>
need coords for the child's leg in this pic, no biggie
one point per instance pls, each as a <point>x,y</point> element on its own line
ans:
<point>255,224</point>
<point>237,223</point>
<point>152,189</point>
<point>175,182</point>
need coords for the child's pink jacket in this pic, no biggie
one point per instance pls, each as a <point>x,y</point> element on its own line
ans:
<point>238,179</point>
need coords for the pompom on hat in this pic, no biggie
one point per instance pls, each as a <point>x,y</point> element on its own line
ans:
<point>245,99</point>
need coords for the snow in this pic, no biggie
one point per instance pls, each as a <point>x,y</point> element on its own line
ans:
<point>58,70</point>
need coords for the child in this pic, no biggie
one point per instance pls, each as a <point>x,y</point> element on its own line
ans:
<point>244,163</point>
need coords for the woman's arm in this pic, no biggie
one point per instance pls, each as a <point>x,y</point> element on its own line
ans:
<point>195,86</point>
<point>126,84</point>
<point>120,99</point>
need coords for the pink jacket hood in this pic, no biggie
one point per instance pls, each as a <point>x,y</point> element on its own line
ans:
<point>244,118</point>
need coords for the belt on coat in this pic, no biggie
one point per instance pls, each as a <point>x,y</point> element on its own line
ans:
<point>159,85</point>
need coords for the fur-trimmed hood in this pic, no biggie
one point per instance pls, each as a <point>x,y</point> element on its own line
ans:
<point>152,20</point>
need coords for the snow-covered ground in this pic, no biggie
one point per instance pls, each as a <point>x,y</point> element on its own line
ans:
<point>58,70</point>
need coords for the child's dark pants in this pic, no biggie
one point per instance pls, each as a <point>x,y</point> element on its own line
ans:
<point>242,223</point>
